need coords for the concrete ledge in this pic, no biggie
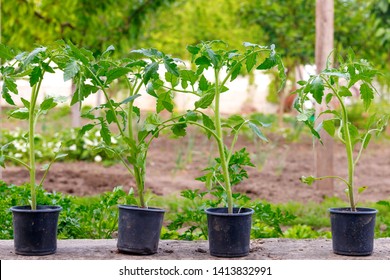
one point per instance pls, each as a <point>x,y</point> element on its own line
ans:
<point>261,249</point>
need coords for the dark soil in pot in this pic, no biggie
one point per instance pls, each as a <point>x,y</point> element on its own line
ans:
<point>35,231</point>
<point>229,234</point>
<point>139,229</point>
<point>353,232</point>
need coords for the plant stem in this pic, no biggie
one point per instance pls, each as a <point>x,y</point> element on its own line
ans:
<point>31,133</point>
<point>221,147</point>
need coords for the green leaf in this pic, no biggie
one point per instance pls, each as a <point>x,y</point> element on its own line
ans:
<point>362,189</point>
<point>70,71</point>
<point>257,131</point>
<point>366,141</point>
<point>179,129</point>
<point>110,49</point>
<point>86,128</point>
<point>317,89</point>
<point>268,63</point>
<point>116,73</point>
<point>307,180</point>
<point>5,94</point>
<point>164,101</point>
<point>213,57</point>
<point>48,104</point>
<point>110,116</point>
<point>10,84</point>
<point>328,98</point>
<point>59,156</point>
<point>171,66</point>
<point>188,76</point>
<point>208,122</point>
<point>150,71</point>
<point>236,71</point>
<point>366,94</point>
<point>203,84</point>
<point>329,127</point>
<point>193,49</point>
<point>35,75</point>
<point>22,114</point>
<point>344,91</point>
<point>2,161</point>
<point>25,102</point>
<point>172,79</point>
<point>205,101</point>
<point>30,57</point>
<point>191,116</point>
<point>251,61</point>
<point>105,133</point>
<point>6,53</point>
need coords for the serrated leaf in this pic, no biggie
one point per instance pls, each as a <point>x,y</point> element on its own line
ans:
<point>164,101</point>
<point>257,131</point>
<point>367,95</point>
<point>317,89</point>
<point>172,79</point>
<point>110,49</point>
<point>2,161</point>
<point>328,98</point>
<point>10,84</point>
<point>86,128</point>
<point>7,97</point>
<point>268,63</point>
<point>47,104</point>
<point>179,129</point>
<point>205,101</point>
<point>203,84</point>
<point>71,70</point>
<point>150,71</point>
<point>21,114</point>
<point>344,91</point>
<point>6,53</point>
<point>237,69</point>
<point>170,66</point>
<point>193,49</point>
<point>30,57</point>
<point>329,127</point>
<point>110,116</point>
<point>116,73</point>
<point>191,116</point>
<point>35,75</point>
<point>251,61</point>
<point>25,102</point>
<point>189,75</point>
<point>105,133</point>
<point>208,122</point>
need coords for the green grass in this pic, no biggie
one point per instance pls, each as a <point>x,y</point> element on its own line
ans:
<point>96,217</point>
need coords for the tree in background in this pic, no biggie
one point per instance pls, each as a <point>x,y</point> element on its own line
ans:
<point>94,24</point>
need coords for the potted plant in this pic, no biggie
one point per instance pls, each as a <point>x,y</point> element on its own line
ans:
<point>139,225</point>
<point>35,226</point>
<point>228,227</point>
<point>352,227</point>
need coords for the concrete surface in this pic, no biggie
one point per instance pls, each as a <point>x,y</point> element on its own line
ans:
<point>262,249</point>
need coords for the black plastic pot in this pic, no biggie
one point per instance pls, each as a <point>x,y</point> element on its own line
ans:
<point>229,234</point>
<point>35,231</point>
<point>353,232</point>
<point>139,229</point>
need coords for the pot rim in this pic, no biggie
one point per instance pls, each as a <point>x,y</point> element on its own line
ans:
<point>359,211</point>
<point>40,209</point>
<point>136,208</point>
<point>211,211</point>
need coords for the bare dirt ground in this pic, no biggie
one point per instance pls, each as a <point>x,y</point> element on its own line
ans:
<point>173,166</point>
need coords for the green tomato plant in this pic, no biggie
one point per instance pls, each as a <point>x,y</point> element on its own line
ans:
<point>122,120</point>
<point>334,84</point>
<point>225,65</point>
<point>32,66</point>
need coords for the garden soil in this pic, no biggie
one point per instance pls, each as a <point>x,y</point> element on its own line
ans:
<point>173,166</point>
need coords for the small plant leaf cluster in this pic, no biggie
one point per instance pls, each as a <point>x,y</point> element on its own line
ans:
<point>336,85</point>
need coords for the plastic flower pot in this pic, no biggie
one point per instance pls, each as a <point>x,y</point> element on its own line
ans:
<point>35,231</point>
<point>139,229</point>
<point>229,234</point>
<point>353,232</point>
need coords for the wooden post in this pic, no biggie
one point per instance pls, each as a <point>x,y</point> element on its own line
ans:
<point>324,45</point>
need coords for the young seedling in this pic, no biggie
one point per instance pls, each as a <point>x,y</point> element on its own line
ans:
<point>122,120</point>
<point>334,84</point>
<point>33,66</point>
<point>226,65</point>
